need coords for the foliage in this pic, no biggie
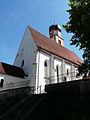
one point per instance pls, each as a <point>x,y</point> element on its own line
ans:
<point>79,25</point>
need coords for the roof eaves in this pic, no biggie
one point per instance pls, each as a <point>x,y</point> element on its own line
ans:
<point>78,63</point>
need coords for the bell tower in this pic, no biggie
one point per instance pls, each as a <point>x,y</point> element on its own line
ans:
<point>55,34</point>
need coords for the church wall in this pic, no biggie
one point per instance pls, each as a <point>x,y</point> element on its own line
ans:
<point>65,69</point>
<point>41,58</point>
<point>32,60</point>
<point>71,71</point>
<point>27,53</point>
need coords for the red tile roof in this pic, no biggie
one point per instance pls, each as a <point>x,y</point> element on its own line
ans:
<point>51,46</point>
<point>11,70</point>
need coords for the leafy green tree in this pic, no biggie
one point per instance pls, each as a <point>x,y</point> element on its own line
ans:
<point>79,25</point>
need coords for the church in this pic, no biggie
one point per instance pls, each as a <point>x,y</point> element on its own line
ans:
<point>42,60</point>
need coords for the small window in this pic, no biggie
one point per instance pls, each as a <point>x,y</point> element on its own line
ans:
<point>58,75</point>
<point>1,83</point>
<point>45,64</point>
<point>59,42</point>
<point>22,63</point>
<point>67,72</point>
<point>65,78</point>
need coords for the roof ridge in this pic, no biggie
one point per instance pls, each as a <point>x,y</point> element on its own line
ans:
<point>45,36</point>
<point>49,38</point>
<point>41,33</point>
<point>37,31</point>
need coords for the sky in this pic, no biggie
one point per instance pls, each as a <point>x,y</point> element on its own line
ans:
<point>15,15</point>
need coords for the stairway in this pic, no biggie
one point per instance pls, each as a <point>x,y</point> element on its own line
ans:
<point>24,108</point>
<point>32,105</point>
<point>11,116</point>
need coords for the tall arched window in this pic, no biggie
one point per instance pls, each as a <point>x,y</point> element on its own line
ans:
<point>22,64</point>
<point>58,73</point>
<point>67,72</point>
<point>46,71</point>
<point>1,83</point>
<point>45,64</point>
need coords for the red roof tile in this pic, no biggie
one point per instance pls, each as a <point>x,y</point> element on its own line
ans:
<point>51,46</point>
<point>1,69</point>
<point>11,70</point>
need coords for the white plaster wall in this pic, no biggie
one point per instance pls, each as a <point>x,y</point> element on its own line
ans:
<point>59,33</point>
<point>73,72</point>
<point>62,42</point>
<point>51,73</point>
<point>27,52</point>
<point>41,81</point>
<point>11,80</point>
<point>75,75</point>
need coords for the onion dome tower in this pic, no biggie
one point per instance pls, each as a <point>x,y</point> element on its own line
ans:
<point>55,34</point>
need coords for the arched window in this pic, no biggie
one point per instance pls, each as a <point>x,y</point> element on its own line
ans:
<point>1,83</point>
<point>45,64</point>
<point>46,71</point>
<point>57,72</point>
<point>22,63</point>
<point>67,72</point>
<point>59,42</point>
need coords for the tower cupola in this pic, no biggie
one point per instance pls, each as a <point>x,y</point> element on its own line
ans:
<point>55,34</point>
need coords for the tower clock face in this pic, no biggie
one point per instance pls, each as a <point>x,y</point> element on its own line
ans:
<point>55,32</point>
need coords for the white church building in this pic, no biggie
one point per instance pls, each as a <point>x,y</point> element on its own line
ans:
<point>42,60</point>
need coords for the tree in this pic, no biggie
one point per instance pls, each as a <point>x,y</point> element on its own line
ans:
<point>79,25</point>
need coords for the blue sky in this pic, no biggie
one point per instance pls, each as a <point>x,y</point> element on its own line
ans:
<point>15,15</point>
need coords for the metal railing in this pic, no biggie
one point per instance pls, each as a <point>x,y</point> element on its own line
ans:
<point>38,90</point>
